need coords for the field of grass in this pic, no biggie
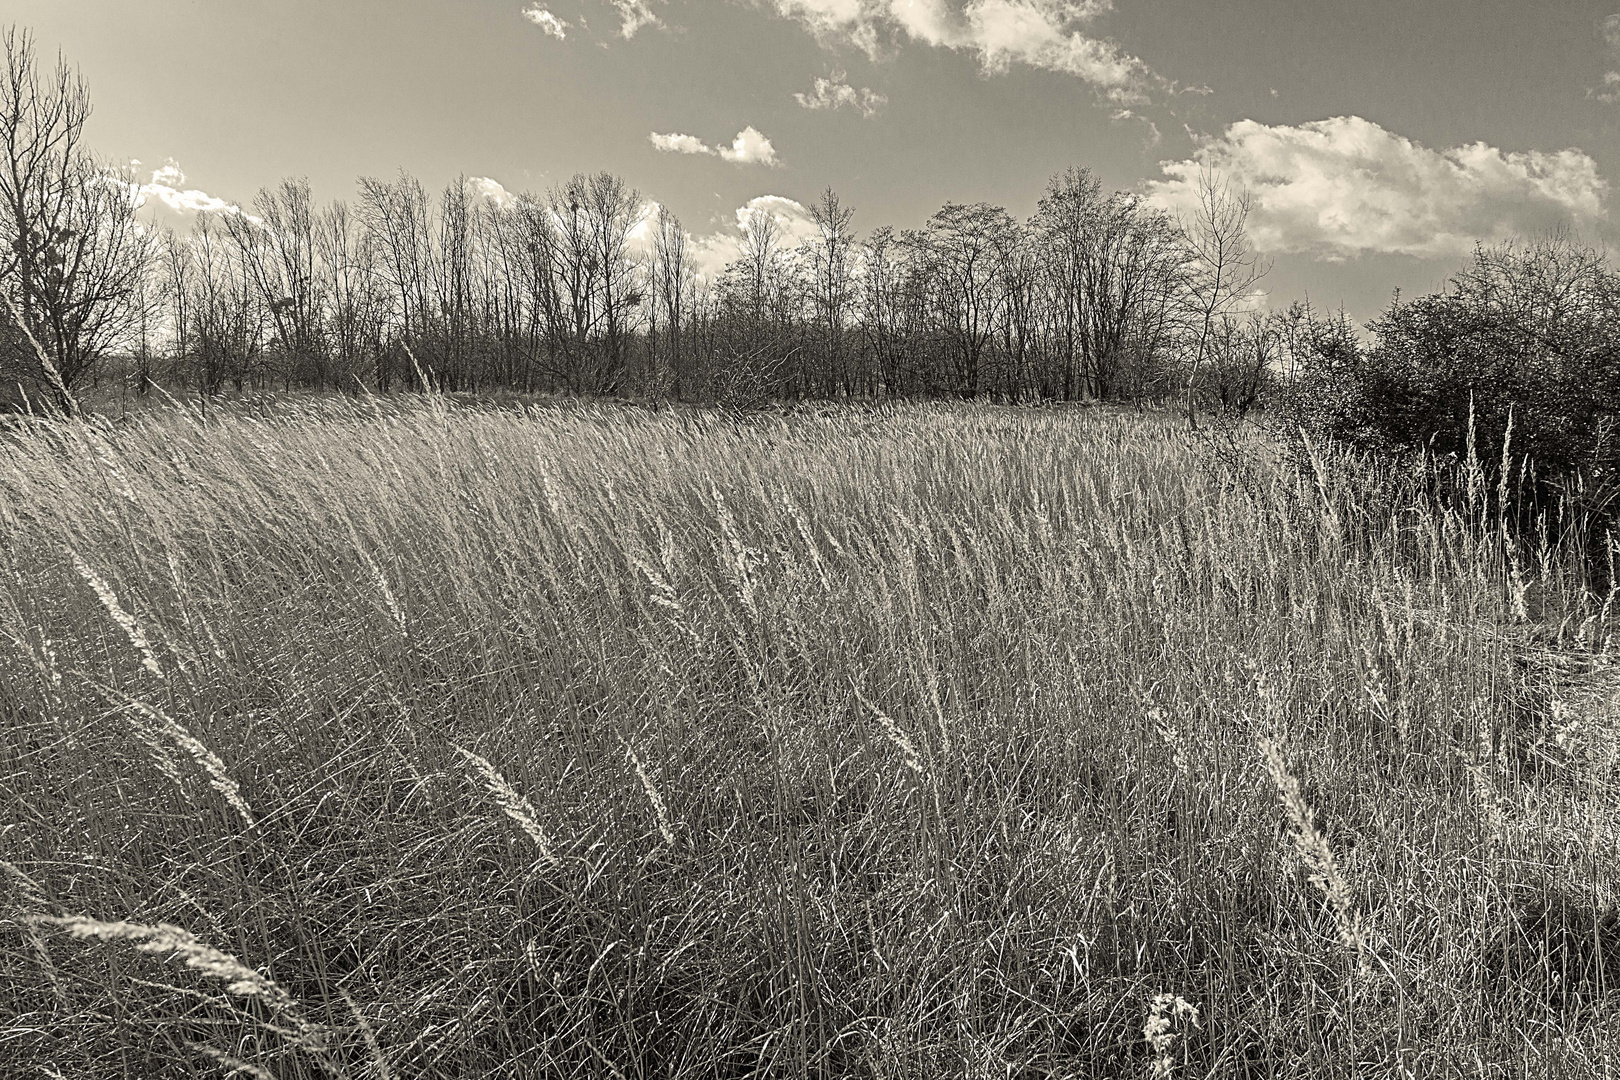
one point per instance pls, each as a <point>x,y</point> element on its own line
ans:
<point>411,740</point>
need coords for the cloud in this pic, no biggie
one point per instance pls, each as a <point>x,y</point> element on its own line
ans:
<point>493,190</point>
<point>713,252</point>
<point>166,188</point>
<point>679,144</point>
<point>1611,78</point>
<point>1343,187</point>
<point>1045,34</point>
<point>633,15</point>
<point>643,235</point>
<point>835,93</point>
<point>748,148</point>
<point>796,224</point>
<point>546,21</point>
<point>1150,134</point>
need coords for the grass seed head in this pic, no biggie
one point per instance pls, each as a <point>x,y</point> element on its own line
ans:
<point>510,800</point>
<point>1317,854</point>
<point>126,622</point>
<point>209,762</point>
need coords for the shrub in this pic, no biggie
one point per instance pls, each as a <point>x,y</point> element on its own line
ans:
<point>1527,336</point>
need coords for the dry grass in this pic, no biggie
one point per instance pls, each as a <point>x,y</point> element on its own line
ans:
<point>607,743</point>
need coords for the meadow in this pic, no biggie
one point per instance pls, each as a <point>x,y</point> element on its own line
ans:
<point>382,738</point>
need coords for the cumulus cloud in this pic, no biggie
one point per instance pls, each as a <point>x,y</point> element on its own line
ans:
<point>546,21</point>
<point>483,187</point>
<point>835,93</point>
<point>711,253</point>
<point>643,235</point>
<point>795,224</point>
<point>748,148</point>
<point>679,144</point>
<point>1345,186</point>
<point>1047,34</point>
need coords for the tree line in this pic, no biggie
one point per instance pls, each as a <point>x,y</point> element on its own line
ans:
<point>590,289</point>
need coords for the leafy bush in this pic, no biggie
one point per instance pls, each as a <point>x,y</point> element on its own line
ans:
<point>1527,336</point>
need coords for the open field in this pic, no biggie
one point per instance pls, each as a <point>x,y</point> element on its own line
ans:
<point>589,742</point>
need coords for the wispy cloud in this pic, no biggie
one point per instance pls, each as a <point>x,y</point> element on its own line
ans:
<point>546,21</point>
<point>167,187</point>
<point>836,93</point>
<point>633,15</point>
<point>1343,187</point>
<point>1610,91</point>
<point>748,148</point>
<point>1150,130</point>
<point>1052,35</point>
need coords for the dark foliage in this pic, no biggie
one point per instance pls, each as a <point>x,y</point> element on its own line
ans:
<point>1516,360</point>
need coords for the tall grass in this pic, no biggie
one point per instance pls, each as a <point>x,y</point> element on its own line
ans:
<point>945,742</point>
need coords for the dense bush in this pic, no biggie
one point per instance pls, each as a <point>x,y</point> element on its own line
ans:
<point>1526,338</point>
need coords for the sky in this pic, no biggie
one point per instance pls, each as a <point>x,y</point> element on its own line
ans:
<point>1380,138</point>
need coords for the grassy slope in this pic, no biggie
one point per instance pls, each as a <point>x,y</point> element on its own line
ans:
<point>904,746</point>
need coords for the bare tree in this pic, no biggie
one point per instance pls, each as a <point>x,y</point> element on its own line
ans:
<point>1065,221</point>
<point>670,291</point>
<point>277,249</point>
<point>72,255</point>
<point>760,302</point>
<point>882,272</point>
<point>395,216</point>
<point>222,305</point>
<point>350,285</point>
<point>965,250</point>
<point>600,279</point>
<point>832,291</point>
<point>451,266</point>
<point>1224,267</point>
<point>536,260</point>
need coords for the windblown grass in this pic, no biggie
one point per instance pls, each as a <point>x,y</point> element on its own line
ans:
<point>588,743</point>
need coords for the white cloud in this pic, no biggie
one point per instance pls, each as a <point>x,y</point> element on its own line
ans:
<point>486,188</point>
<point>748,148</point>
<point>166,188</point>
<point>795,224</point>
<point>546,21</point>
<point>633,15</point>
<point>835,93</point>
<point>1611,78</point>
<point>679,144</point>
<point>1345,186</point>
<point>712,252</point>
<point>643,235</point>
<point>1150,136</point>
<point>1045,34</point>
<point>1038,33</point>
